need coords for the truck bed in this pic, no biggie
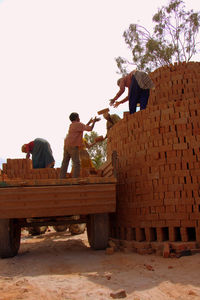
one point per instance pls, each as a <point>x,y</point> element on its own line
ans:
<point>44,198</point>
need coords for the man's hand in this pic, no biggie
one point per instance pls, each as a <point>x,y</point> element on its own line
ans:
<point>99,139</point>
<point>117,104</point>
<point>28,155</point>
<point>96,119</point>
<point>111,102</point>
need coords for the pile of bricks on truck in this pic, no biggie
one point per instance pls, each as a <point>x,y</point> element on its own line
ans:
<point>15,169</point>
<point>159,164</point>
<point>22,169</point>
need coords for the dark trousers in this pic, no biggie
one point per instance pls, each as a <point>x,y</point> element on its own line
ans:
<point>137,95</point>
<point>70,153</point>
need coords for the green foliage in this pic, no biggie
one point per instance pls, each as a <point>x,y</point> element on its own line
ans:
<point>174,39</point>
<point>98,151</point>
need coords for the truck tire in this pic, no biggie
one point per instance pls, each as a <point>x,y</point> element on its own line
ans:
<point>10,234</point>
<point>60,228</point>
<point>98,231</point>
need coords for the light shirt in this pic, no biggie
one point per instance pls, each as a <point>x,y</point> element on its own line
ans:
<point>75,134</point>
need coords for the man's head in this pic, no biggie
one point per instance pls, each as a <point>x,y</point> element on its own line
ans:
<point>24,148</point>
<point>74,117</point>
<point>106,116</point>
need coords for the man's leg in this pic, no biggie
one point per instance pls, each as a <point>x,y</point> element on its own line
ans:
<point>134,95</point>
<point>74,151</point>
<point>144,99</point>
<point>65,163</point>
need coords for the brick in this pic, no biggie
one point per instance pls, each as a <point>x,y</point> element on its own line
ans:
<point>166,250</point>
<point>184,234</point>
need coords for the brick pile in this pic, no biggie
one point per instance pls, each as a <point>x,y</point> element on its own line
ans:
<point>159,161</point>
<point>15,169</point>
<point>22,169</point>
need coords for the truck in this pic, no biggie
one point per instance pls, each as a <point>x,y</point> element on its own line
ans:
<point>53,202</point>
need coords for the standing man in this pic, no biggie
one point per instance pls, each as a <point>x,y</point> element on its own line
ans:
<point>139,85</point>
<point>72,143</point>
<point>42,156</point>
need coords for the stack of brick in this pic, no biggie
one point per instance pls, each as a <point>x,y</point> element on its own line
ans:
<point>176,82</point>
<point>17,168</point>
<point>22,169</point>
<point>159,161</point>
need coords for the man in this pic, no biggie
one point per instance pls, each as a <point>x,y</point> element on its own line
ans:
<point>73,142</point>
<point>111,119</point>
<point>139,85</point>
<point>42,156</point>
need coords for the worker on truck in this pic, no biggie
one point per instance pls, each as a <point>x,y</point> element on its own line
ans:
<point>139,85</point>
<point>42,156</point>
<point>73,142</point>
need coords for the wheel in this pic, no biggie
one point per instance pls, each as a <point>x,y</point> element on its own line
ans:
<point>10,234</point>
<point>77,228</point>
<point>98,231</point>
<point>60,228</point>
<point>37,230</point>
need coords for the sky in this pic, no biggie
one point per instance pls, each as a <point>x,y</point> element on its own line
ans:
<point>58,57</point>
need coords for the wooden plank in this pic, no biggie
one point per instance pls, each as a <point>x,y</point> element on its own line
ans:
<point>106,165</point>
<point>108,172</point>
<point>25,202</point>
<point>48,182</point>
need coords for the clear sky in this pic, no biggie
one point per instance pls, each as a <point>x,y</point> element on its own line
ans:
<point>58,56</point>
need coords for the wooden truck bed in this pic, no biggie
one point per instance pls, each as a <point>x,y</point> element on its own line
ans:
<point>57,197</point>
<point>36,197</point>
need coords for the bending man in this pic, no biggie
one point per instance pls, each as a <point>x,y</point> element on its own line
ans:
<point>139,85</point>
<point>42,156</point>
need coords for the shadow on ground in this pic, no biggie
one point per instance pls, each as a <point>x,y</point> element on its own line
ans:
<point>63,254</point>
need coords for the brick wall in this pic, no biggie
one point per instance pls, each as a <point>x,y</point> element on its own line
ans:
<point>158,150</point>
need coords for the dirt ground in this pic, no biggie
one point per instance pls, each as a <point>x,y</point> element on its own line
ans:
<point>59,266</point>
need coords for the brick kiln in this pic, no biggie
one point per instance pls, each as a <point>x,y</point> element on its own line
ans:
<point>159,164</point>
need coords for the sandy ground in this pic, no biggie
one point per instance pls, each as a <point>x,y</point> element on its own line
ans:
<point>60,266</point>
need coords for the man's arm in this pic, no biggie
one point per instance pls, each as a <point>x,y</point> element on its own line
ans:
<point>89,122</point>
<point>121,91</point>
<point>88,127</point>
<point>28,155</point>
<point>94,121</point>
<point>116,104</point>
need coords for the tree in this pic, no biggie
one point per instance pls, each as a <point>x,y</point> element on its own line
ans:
<point>174,39</point>
<point>98,151</point>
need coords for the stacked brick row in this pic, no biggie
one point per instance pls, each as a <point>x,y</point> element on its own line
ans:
<point>159,161</point>
<point>176,82</point>
<point>22,169</point>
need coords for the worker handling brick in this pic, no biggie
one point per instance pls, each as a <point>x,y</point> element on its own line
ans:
<point>111,119</point>
<point>139,85</point>
<point>73,142</point>
<point>41,152</point>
